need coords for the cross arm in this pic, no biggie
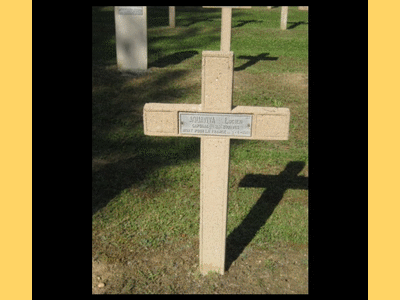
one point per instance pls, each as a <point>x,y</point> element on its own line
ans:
<point>268,123</point>
<point>161,119</point>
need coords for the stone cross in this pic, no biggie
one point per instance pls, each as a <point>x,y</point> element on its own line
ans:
<point>215,121</point>
<point>226,27</point>
<point>131,38</point>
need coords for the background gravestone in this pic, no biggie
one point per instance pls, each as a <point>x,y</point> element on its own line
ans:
<point>284,14</point>
<point>172,16</point>
<point>131,38</point>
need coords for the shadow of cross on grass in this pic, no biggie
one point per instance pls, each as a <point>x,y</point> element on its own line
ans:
<point>242,23</point>
<point>253,60</point>
<point>295,24</point>
<point>275,186</point>
<point>173,59</point>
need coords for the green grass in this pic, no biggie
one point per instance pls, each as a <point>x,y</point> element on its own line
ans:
<point>254,32</point>
<point>146,189</point>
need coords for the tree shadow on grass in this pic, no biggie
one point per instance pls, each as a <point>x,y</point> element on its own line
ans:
<point>121,154</point>
<point>158,16</point>
<point>275,185</point>
<point>110,180</point>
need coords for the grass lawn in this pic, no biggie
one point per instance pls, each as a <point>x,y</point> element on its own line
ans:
<point>145,190</point>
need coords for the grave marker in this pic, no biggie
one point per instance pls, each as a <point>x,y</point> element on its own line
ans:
<point>284,14</point>
<point>131,38</point>
<point>226,26</point>
<point>215,122</point>
<point>172,16</point>
<point>303,8</point>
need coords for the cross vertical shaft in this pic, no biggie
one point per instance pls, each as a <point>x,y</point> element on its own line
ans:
<point>284,15</point>
<point>172,16</point>
<point>226,31</point>
<point>217,80</point>
<point>213,203</point>
<point>226,22</point>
